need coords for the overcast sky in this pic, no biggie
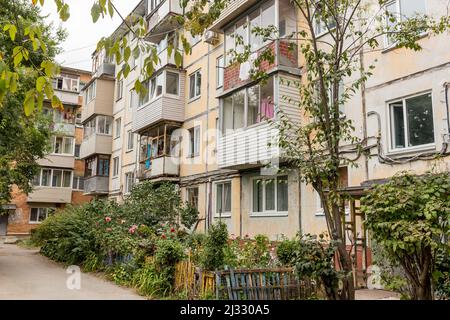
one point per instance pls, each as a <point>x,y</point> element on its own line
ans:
<point>83,33</point>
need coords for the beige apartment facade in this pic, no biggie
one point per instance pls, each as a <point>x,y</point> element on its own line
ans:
<point>61,177</point>
<point>203,128</point>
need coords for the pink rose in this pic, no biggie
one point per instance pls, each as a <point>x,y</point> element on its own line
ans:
<point>163,236</point>
<point>108,219</point>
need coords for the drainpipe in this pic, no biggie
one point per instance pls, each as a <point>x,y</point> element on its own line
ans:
<point>364,110</point>
<point>446,84</point>
<point>209,185</point>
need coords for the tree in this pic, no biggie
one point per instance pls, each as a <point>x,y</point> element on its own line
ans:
<point>23,139</point>
<point>353,26</point>
<point>410,217</point>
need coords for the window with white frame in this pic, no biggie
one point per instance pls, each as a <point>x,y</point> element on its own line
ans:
<point>77,150</point>
<point>67,82</point>
<point>38,215</point>
<point>78,183</point>
<point>130,140</point>
<point>223,198</point>
<point>401,10</point>
<point>195,85</point>
<point>116,166</point>
<point>129,182</point>
<point>97,166</point>
<point>172,83</point>
<point>63,145</point>
<point>257,102</point>
<point>55,178</point>
<point>320,25</point>
<point>194,141</point>
<point>270,195</point>
<point>220,71</point>
<point>91,91</point>
<point>118,123</point>
<point>319,206</point>
<point>412,123</point>
<point>119,90</point>
<point>99,125</point>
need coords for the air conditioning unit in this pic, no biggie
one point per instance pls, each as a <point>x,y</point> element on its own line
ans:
<point>211,37</point>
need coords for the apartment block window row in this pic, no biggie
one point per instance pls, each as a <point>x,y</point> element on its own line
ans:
<point>223,198</point>
<point>98,125</point>
<point>91,91</point>
<point>248,106</point>
<point>165,82</point>
<point>412,123</point>
<point>38,215</point>
<point>195,85</point>
<point>67,82</point>
<point>54,178</point>
<point>63,145</point>
<point>270,195</point>
<point>97,166</point>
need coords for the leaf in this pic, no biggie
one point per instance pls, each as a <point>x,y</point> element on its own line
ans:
<point>110,9</point>
<point>178,58</point>
<point>40,83</point>
<point>18,56</point>
<point>56,103</point>
<point>29,103</point>
<point>95,12</point>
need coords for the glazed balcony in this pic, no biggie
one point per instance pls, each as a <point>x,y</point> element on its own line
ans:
<point>96,185</point>
<point>99,98</point>
<point>285,54</point>
<point>96,144</point>
<point>57,161</point>
<point>233,9</point>
<point>162,19</point>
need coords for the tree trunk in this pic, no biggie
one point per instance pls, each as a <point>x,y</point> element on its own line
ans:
<point>348,290</point>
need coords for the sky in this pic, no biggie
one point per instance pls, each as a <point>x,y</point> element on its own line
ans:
<point>83,34</point>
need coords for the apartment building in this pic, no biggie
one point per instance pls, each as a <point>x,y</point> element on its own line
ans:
<point>203,125</point>
<point>61,177</point>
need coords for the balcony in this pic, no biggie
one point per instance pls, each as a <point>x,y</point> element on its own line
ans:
<point>159,167</point>
<point>57,161</point>
<point>286,58</point>
<point>248,148</point>
<point>68,97</point>
<point>233,9</point>
<point>102,101</point>
<point>105,68</point>
<point>96,144</point>
<point>165,60</point>
<point>65,129</point>
<point>96,186</point>
<point>161,19</point>
<point>50,195</point>
<point>162,109</point>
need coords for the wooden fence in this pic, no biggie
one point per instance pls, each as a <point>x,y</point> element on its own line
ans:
<point>244,284</point>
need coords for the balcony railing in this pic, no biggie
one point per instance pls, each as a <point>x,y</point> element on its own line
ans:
<point>97,185</point>
<point>96,144</point>
<point>57,161</point>
<point>166,166</point>
<point>285,55</point>
<point>50,195</point>
<point>106,68</point>
<point>161,20</point>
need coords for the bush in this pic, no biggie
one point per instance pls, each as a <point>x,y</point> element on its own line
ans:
<point>149,281</point>
<point>216,242</point>
<point>286,252</point>
<point>408,217</point>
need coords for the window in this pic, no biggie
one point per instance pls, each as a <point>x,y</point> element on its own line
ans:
<point>264,16</point>
<point>104,125</point>
<point>195,85</point>
<point>97,166</point>
<point>223,198</point>
<point>412,123</point>
<point>37,215</point>
<point>192,196</point>
<point>194,141</point>
<point>270,195</point>
<point>220,72</point>
<point>400,10</point>
<point>118,127</point>
<point>67,82</point>
<point>91,91</point>
<point>119,93</point>
<point>172,83</point>
<point>77,150</point>
<point>78,183</point>
<point>153,4</point>
<point>63,145</point>
<point>322,27</point>
<point>46,177</point>
<point>130,142</point>
<point>129,182</point>
<point>256,101</point>
<point>56,178</point>
<point>116,166</point>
